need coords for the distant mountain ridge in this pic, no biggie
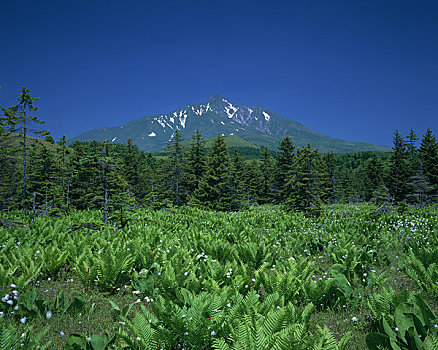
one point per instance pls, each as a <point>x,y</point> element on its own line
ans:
<point>219,116</point>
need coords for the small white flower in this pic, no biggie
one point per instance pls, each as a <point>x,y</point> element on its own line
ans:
<point>62,334</point>
<point>48,314</point>
<point>354,319</point>
<point>23,320</point>
<point>213,333</point>
<point>138,338</point>
<point>13,286</point>
<point>396,329</point>
<point>10,302</point>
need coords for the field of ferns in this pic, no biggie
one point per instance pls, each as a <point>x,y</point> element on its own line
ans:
<point>355,277</point>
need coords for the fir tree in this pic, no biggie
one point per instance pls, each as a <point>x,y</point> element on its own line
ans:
<point>85,190</point>
<point>43,177</point>
<point>266,171</point>
<point>213,191</point>
<point>237,168</point>
<point>133,168</point>
<point>429,156</point>
<point>195,162</point>
<point>373,176</point>
<point>174,170</point>
<point>19,120</point>
<point>283,168</point>
<point>252,183</point>
<point>9,173</point>
<point>328,178</point>
<point>304,184</point>
<point>63,144</point>
<point>422,191</point>
<point>399,174</point>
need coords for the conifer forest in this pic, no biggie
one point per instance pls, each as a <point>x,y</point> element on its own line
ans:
<point>104,246</point>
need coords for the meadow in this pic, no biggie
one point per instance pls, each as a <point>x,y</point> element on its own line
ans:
<point>356,277</point>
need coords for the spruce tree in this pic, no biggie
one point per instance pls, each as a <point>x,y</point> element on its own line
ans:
<point>328,178</point>
<point>283,168</point>
<point>399,174</point>
<point>175,170</point>
<point>64,149</point>
<point>19,120</point>
<point>195,162</point>
<point>133,167</point>
<point>43,176</point>
<point>9,172</point>
<point>429,156</point>
<point>304,184</point>
<point>266,171</point>
<point>373,176</point>
<point>85,185</point>
<point>213,191</point>
<point>252,183</point>
<point>236,169</point>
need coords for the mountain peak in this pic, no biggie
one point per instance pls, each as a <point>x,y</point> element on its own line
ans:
<point>216,98</point>
<point>219,115</point>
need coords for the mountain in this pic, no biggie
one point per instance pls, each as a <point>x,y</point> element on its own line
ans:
<point>219,116</point>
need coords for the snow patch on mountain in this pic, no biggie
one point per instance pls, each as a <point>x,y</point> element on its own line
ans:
<point>161,123</point>
<point>267,116</point>
<point>230,110</point>
<point>182,120</point>
<point>113,139</point>
<point>152,134</point>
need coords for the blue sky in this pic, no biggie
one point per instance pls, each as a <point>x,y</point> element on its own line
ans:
<point>355,70</point>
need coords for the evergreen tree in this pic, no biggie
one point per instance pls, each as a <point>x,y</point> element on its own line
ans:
<point>304,184</point>
<point>133,168</point>
<point>252,183</point>
<point>399,174</point>
<point>266,171</point>
<point>9,173</point>
<point>43,179</point>
<point>63,144</point>
<point>85,185</point>
<point>116,194</point>
<point>422,191</point>
<point>429,156</point>
<point>411,143</point>
<point>237,168</point>
<point>174,170</point>
<point>283,168</point>
<point>213,191</point>
<point>328,178</point>
<point>19,120</point>
<point>195,162</point>
<point>373,176</point>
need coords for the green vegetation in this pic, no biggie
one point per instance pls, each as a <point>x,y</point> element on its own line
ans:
<point>349,279</point>
<point>103,246</point>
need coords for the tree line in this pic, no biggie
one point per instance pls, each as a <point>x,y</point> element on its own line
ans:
<point>114,177</point>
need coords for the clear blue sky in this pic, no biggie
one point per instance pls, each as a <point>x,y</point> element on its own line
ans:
<point>353,69</point>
